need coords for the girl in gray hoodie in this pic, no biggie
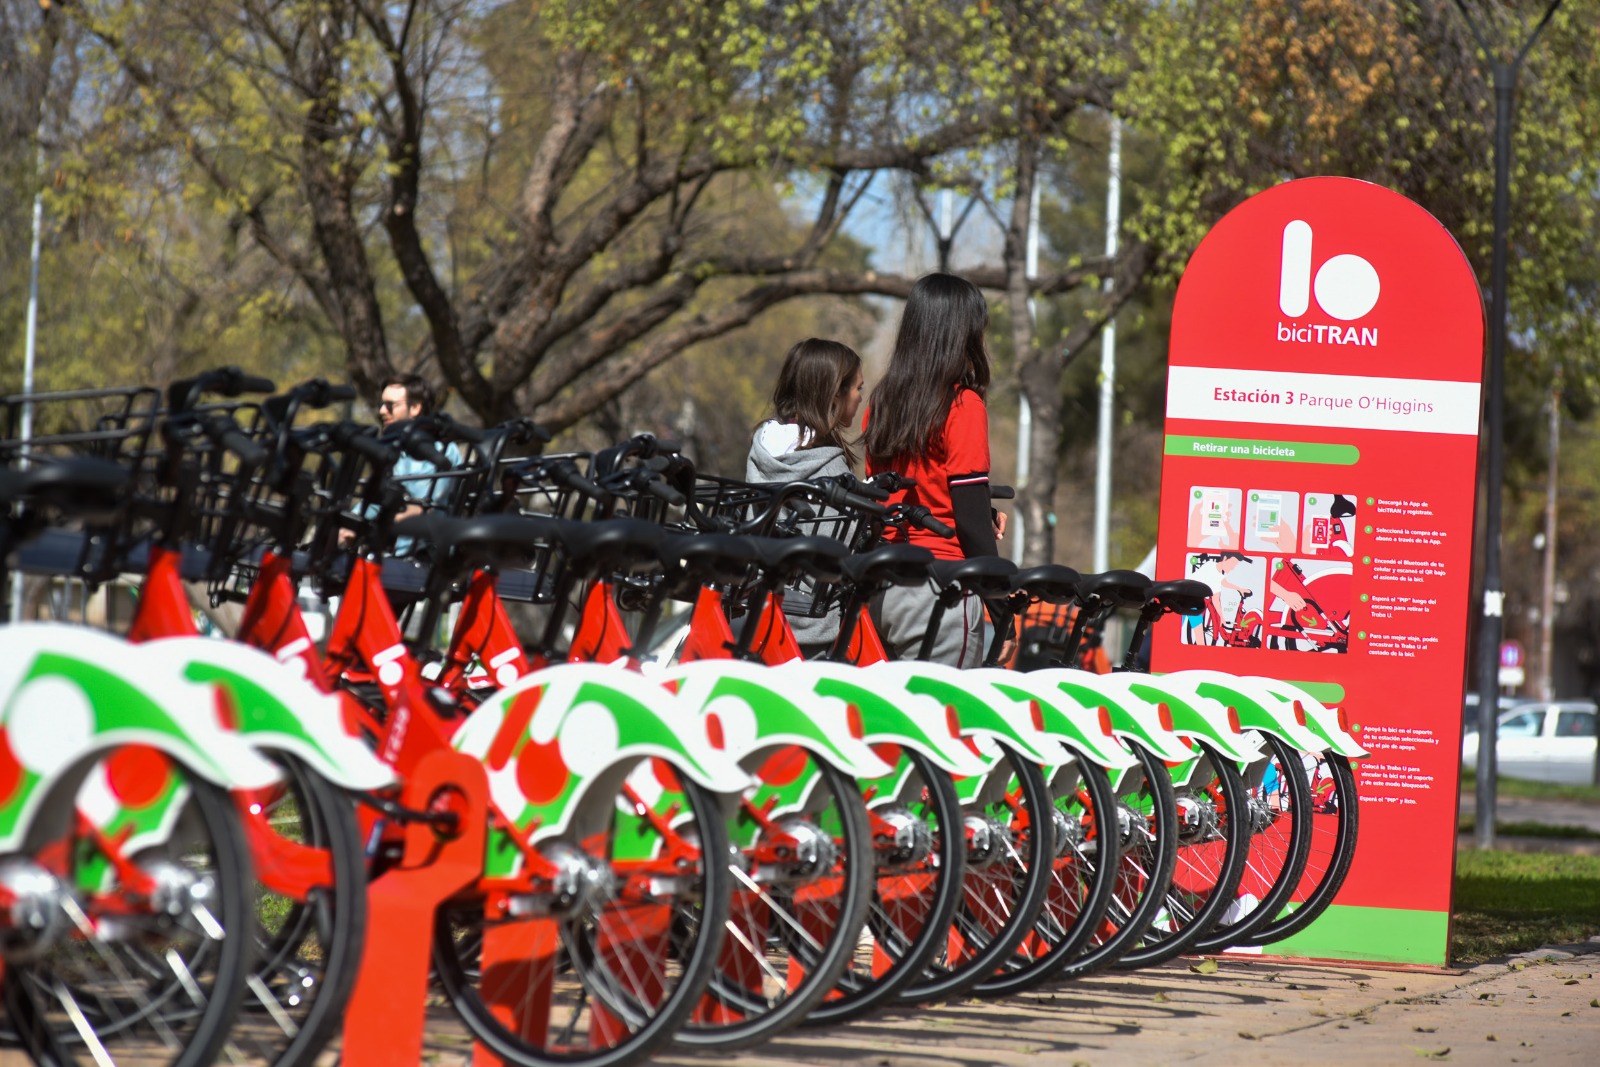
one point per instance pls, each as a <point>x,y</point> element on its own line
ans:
<point>816,400</point>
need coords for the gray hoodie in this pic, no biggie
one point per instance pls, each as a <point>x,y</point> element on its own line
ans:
<point>800,464</point>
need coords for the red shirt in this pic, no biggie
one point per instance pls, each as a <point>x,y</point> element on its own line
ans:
<point>957,455</point>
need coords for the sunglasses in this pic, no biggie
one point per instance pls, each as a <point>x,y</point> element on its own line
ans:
<point>390,405</point>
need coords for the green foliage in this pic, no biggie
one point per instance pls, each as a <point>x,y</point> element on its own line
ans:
<point>1508,902</point>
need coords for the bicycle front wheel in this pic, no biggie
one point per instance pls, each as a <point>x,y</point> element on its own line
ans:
<point>1083,870</point>
<point>802,877</point>
<point>1333,845</point>
<point>150,963</point>
<point>603,958</point>
<point>1279,802</point>
<point>916,825</point>
<point>1009,831</point>
<point>1147,827</point>
<point>1213,838</point>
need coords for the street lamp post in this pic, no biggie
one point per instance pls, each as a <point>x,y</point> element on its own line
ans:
<point>1489,623</point>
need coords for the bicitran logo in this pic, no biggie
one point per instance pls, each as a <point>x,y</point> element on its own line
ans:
<point>1346,288</point>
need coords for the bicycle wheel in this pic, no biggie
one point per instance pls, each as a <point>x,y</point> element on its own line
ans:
<point>308,943</point>
<point>1009,831</point>
<point>802,879</point>
<point>1280,843</point>
<point>915,818</point>
<point>1082,873</point>
<point>1334,823</point>
<point>1213,838</point>
<point>151,965</point>
<point>604,960</point>
<point>1147,816</point>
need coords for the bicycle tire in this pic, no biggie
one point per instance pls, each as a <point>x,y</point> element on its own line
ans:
<point>1280,844</point>
<point>307,953</point>
<point>1333,846</point>
<point>127,1002</point>
<point>792,924</point>
<point>1147,858</point>
<point>1209,865</point>
<point>1083,872</point>
<point>1003,885</point>
<point>643,951</point>
<point>916,886</point>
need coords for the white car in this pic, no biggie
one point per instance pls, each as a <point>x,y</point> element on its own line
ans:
<point>1542,741</point>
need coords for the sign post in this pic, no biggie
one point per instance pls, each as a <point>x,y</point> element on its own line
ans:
<point>1319,474</point>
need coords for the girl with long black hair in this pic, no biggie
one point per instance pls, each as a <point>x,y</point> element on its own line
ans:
<point>927,419</point>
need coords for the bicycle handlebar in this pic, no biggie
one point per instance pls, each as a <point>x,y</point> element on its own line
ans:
<point>184,393</point>
<point>227,434</point>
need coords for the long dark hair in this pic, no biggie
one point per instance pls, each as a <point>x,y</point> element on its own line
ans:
<point>939,347</point>
<point>810,392</point>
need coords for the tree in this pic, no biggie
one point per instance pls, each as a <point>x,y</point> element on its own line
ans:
<point>552,183</point>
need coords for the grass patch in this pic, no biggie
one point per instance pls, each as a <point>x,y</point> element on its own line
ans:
<point>1469,825</point>
<point>1518,787</point>
<point>1509,902</point>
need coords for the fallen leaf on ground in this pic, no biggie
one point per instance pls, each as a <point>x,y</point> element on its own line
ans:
<point>1204,967</point>
<point>1425,1029</point>
<point>1247,1035</point>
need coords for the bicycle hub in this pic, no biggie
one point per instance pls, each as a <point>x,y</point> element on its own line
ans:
<point>579,886</point>
<point>810,852</point>
<point>909,841</point>
<point>1197,818</point>
<point>35,916</point>
<point>987,841</point>
<point>1068,832</point>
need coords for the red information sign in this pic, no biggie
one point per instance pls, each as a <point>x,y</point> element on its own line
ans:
<point>1319,473</point>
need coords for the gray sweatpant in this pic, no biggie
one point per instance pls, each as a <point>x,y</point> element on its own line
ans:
<point>902,618</point>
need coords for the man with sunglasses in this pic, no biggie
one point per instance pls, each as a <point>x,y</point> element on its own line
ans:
<point>405,397</point>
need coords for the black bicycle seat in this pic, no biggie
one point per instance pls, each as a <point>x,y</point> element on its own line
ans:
<point>495,536</point>
<point>1119,588</point>
<point>987,576</point>
<point>890,564</point>
<point>78,485</point>
<point>707,557</point>
<point>611,544</point>
<point>1051,583</point>
<point>786,557</point>
<point>1182,597</point>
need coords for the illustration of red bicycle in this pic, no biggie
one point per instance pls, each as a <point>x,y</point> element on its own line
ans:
<point>1236,628</point>
<point>1315,616</point>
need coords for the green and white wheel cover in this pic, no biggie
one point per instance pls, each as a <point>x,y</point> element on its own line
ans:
<point>276,707</point>
<point>575,728</point>
<point>890,715</point>
<point>1258,707</point>
<point>982,710</point>
<point>1199,717</point>
<point>67,693</point>
<point>1133,718</point>
<point>1320,719</point>
<point>1069,718</point>
<point>750,707</point>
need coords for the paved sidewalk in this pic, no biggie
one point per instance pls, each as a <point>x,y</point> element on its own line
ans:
<point>1535,1008</point>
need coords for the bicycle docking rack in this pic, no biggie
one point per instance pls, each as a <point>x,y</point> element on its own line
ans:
<point>386,1017</point>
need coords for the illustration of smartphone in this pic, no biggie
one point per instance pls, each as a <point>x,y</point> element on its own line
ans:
<point>1269,510</point>
<point>1213,510</point>
<point>1321,532</point>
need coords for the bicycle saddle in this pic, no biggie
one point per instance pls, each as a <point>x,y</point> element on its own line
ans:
<point>1118,588</point>
<point>78,485</point>
<point>610,544</point>
<point>495,536</point>
<point>988,576</point>
<point>889,565</point>
<point>1051,583</point>
<point>785,557</point>
<point>1182,597</point>
<point>707,557</point>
